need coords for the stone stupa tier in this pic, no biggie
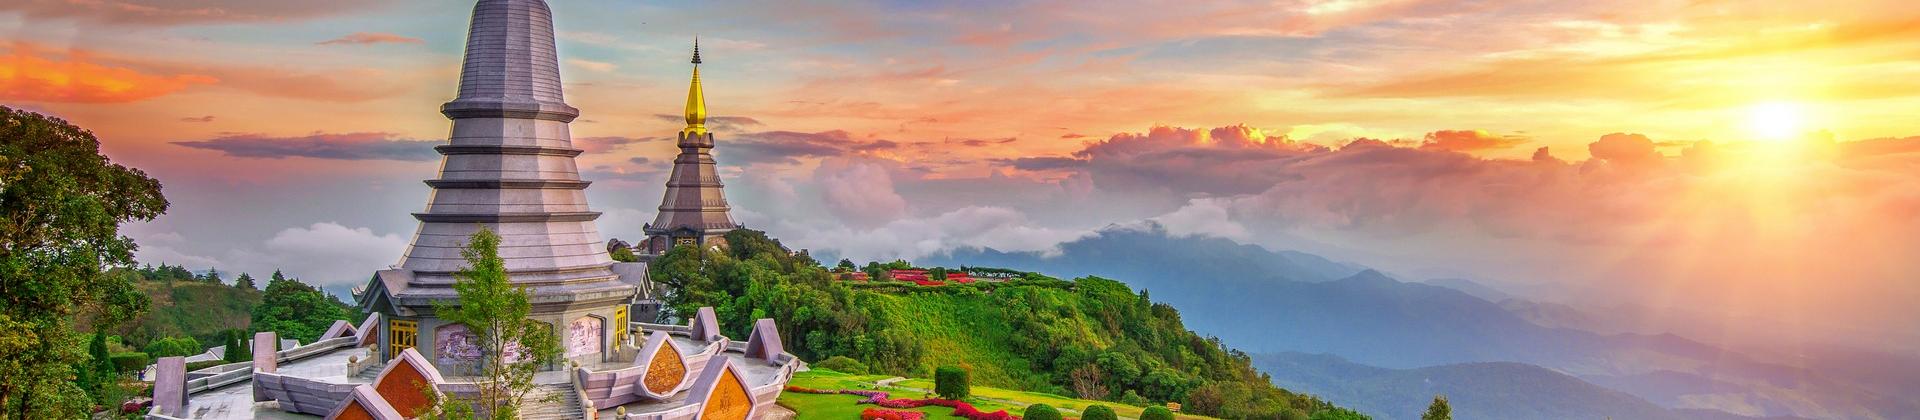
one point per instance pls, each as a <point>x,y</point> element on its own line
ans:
<point>508,166</point>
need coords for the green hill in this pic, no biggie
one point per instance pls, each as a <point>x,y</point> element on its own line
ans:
<point>1089,337</point>
<point>185,306</point>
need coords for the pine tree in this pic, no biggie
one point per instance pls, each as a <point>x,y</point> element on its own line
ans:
<point>244,281</point>
<point>213,276</point>
<point>1439,410</point>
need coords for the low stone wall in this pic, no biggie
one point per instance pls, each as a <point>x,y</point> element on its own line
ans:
<point>218,376</point>
<point>300,395</point>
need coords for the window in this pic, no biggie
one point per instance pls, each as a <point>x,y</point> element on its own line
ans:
<point>401,335</point>
<point>619,327</point>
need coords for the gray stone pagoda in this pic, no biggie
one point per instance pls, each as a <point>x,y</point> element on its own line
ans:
<point>508,166</point>
<point>694,210</point>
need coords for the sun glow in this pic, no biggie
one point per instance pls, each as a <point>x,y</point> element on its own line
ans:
<point>1775,120</point>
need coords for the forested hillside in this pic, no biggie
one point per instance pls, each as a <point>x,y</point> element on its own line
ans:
<point>1089,337</point>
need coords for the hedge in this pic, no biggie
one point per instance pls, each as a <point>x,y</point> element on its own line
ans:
<point>129,362</point>
<point>952,382</point>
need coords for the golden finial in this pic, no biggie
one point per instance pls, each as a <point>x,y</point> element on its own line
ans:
<point>696,100</point>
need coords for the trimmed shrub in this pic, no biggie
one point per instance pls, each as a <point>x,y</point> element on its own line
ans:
<point>1156,413</point>
<point>1041,412</point>
<point>952,382</point>
<point>129,362</point>
<point>842,364</point>
<point>1098,412</point>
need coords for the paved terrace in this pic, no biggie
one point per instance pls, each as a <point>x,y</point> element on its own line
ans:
<point>340,363</point>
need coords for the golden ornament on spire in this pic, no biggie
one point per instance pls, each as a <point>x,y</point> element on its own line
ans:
<point>696,100</point>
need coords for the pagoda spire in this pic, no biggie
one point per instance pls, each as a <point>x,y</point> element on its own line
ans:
<point>694,209</point>
<point>696,99</point>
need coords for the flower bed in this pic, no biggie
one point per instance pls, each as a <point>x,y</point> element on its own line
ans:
<point>885,414</point>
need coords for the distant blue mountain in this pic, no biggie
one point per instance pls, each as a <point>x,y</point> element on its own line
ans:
<point>1263,301</point>
<point>1492,390</point>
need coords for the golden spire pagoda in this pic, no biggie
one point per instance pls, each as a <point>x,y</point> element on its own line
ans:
<point>696,100</point>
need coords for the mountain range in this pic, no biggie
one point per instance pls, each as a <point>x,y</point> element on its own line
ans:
<point>1285,302</point>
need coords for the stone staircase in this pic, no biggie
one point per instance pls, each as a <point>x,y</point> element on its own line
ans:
<point>562,404</point>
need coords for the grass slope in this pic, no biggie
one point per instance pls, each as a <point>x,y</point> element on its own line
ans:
<point>191,309</point>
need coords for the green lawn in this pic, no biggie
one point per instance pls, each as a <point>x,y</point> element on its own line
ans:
<point>818,406</point>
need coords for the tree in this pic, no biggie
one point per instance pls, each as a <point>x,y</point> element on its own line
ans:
<point>623,254</point>
<point>1156,413</point>
<point>173,346</point>
<point>512,347</point>
<point>1439,410</point>
<point>213,276</point>
<point>847,265</point>
<point>1041,412</point>
<point>1089,382</point>
<point>1338,414</point>
<point>97,373</point>
<point>296,310</point>
<point>952,382</point>
<point>244,281</point>
<point>61,207</point>
<point>1098,412</point>
<point>237,349</point>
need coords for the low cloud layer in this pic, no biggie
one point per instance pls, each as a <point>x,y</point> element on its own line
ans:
<point>370,38</point>
<point>346,146</point>
<point>788,147</point>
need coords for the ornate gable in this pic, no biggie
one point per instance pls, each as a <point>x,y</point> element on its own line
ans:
<point>706,325</point>
<point>666,367</point>
<point>722,392</point>
<point>405,382</point>
<point>365,404</point>
<point>764,344</point>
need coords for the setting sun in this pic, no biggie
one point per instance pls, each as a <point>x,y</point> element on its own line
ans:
<point>1775,121</point>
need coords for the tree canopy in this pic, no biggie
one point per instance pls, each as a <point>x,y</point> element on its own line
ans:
<point>298,311</point>
<point>61,207</point>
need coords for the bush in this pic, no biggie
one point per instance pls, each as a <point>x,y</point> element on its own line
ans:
<point>1041,412</point>
<point>174,346</point>
<point>952,382</point>
<point>1156,413</point>
<point>842,364</point>
<point>1098,412</point>
<point>129,362</point>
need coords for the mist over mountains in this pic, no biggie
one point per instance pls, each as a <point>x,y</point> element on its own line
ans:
<point>1355,320</point>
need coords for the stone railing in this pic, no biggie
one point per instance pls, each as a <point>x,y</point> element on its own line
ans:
<point>218,376</point>
<point>615,387</point>
<point>354,367</point>
<point>587,410</point>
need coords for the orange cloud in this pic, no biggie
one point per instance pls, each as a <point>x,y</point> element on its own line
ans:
<point>28,76</point>
<point>1468,140</point>
<point>366,38</point>
<point>152,12</point>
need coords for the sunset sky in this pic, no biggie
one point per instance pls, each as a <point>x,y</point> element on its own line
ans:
<point>1744,160</point>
